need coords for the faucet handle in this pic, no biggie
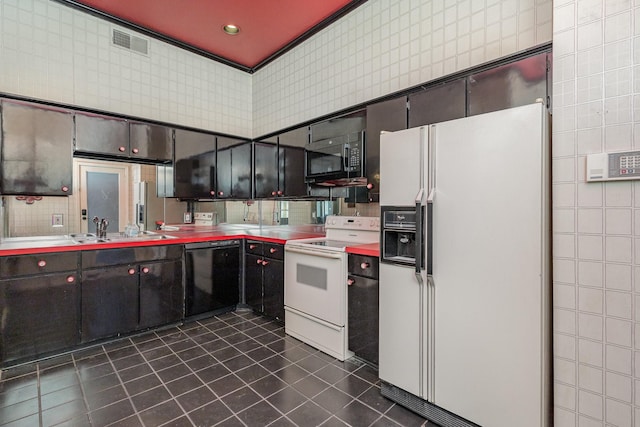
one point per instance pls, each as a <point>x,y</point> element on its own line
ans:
<point>96,219</point>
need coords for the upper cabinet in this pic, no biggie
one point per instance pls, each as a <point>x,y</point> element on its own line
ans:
<point>291,162</point>
<point>195,164</point>
<point>36,150</point>
<point>151,142</point>
<point>233,168</point>
<point>112,137</point>
<point>510,85</point>
<point>438,104</point>
<point>279,165</point>
<point>102,135</point>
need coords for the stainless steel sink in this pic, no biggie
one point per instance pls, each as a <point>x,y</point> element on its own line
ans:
<point>143,236</point>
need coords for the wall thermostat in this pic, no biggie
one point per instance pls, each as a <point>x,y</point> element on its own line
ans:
<point>613,166</point>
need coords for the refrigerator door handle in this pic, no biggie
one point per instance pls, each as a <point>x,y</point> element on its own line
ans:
<point>429,233</point>
<point>418,251</point>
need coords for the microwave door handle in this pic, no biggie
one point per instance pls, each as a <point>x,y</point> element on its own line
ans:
<point>345,159</point>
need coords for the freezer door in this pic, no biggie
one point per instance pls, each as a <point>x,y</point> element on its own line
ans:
<point>403,166</point>
<point>491,265</point>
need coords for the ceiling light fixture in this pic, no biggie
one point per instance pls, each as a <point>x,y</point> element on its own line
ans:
<point>231,29</point>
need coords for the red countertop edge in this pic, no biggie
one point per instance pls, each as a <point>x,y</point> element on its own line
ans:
<point>369,249</point>
<point>178,238</point>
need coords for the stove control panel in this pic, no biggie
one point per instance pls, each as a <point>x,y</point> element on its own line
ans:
<point>366,223</point>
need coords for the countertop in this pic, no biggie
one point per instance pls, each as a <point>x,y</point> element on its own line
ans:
<point>190,234</point>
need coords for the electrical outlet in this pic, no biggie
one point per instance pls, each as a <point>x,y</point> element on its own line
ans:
<point>56,220</point>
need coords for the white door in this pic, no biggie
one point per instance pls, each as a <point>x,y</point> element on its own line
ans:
<point>104,192</point>
<point>490,266</point>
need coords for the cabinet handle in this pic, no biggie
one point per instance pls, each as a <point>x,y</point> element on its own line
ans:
<point>135,150</point>
<point>253,246</point>
<point>145,270</point>
<point>121,149</point>
<point>369,186</point>
<point>64,188</point>
<point>279,192</point>
<point>42,263</point>
<point>132,271</point>
<point>259,262</point>
<point>71,279</point>
<point>364,265</point>
<point>350,282</point>
<point>273,193</point>
<point>273,250</point>
<point>213,193</point>
<point>264,263</point>
<point>220,193</point>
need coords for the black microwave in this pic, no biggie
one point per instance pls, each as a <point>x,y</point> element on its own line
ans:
<point>336,161</point>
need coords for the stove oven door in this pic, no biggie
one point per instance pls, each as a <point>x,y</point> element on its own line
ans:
<point>315,283</point>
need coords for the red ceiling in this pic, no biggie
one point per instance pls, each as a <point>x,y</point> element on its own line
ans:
<point>267,26</point>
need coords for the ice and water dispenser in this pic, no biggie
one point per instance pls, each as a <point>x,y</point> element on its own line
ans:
<point>399,228</point>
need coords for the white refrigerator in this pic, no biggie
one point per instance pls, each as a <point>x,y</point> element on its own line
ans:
<point>465,337</point>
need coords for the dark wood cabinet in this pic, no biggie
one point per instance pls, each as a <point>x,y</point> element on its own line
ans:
<point>264,278</point>
<point>109,301</point>
<point>427,107</point>
<point>363,306</point>
<point>194,165</point>
<point>102,135</point>
<point>132,288</point>
<point>36,150</point>
<point>33,326</point>
<point>151,142</point>
<point>279,165</point>
<point>160,293</point>
<point>233,168</point>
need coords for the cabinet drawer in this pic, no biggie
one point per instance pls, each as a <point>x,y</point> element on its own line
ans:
<point>363,265</point>
<point>254,247</point>
<point>24,265</point>
<point>274,250</point>
<point>118,256</point>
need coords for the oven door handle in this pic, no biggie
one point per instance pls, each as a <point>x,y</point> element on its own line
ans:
<point>336,255</point>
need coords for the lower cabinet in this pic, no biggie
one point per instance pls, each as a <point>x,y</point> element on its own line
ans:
<point>109,302</point>
<point>32,325</point>
<point>160,293</point>
<point>130,288</point>
<point>363,306</point>
<point>264,278</point>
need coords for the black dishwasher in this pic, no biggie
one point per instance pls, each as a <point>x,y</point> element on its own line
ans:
<point>212,271</point>
<point>363,307</point>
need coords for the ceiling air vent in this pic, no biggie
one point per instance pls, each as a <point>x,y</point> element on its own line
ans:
<point>127,41</point>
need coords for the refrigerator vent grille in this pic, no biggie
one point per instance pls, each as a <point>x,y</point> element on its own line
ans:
<point>425,409</point>
<point>127,41</point>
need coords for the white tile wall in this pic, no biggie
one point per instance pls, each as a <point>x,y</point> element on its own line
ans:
<point>385,46</point>
<point>52,52</point>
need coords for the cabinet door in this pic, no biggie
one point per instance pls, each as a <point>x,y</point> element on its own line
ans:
<point>102,135</point>
<point>226,277</point>
<point>291,165</point>
<point>253,282</point>
<point>241,171</point>
<point>160,293</point>
<point>274,288</point>
<point>195,164</point>
<point>265,170</point>
<point>31,324</point>
<point>151,142</point>
<point>37,151</point>
<point>223,174</point>
<point>363,308</point>
<point>438,104</point>
<point>109,301</point>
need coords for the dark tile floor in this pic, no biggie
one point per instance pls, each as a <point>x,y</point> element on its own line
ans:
<point>237,369</point>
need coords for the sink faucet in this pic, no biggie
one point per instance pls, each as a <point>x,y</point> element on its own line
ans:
<point>101,227</point>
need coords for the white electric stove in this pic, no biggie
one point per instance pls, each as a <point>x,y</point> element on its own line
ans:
<point>315,283</point>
